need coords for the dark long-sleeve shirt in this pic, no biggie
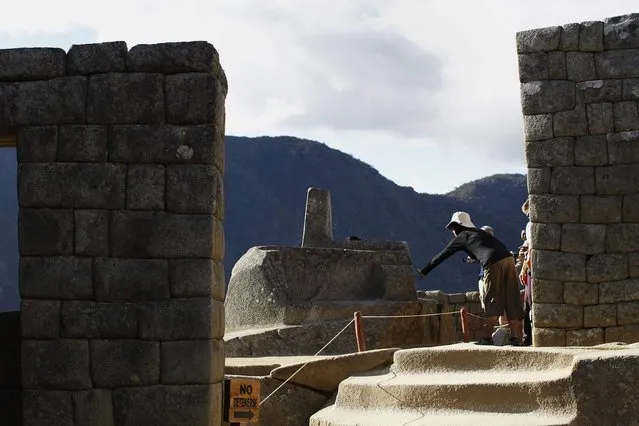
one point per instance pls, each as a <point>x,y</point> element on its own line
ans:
<point>477,243</point>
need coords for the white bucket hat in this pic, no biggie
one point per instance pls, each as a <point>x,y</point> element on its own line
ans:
<point>461,218</point>
<point>488,229</point>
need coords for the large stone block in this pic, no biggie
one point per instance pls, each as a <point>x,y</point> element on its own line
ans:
<point>540,97</point>
<point>572,180</point>
<point>194,278</point>
<point>622,237</point>
<point>628,313</point>
<point>47,408</point>
<point>616,179</point>
<point>82,144</point>
<point>195,98</point>
<point>538,180</point>
<point>93,408</point>
<point>583,238</point>
<point>598,91</point>
<point>533,66</point>
<point>118,363</point>
<point>581,293</point>
<point>125,98</point>
<point>545,291</point>
<point>624,333</point>
<point>164,144</point>
<point>585,337</point>
<point>57,101</point>
<point>167,405</point>
<point>37,143</point>
<point>187,362</point>
<point>538,127</point>
<point>633,265</point>
<point>600,208</point>
<point>176,57</point>
<point>604,315</point>
<point>131,280</point>
<point>45,232</point>
<point>581,66</point>
<point>617,63</point>
<point>600,118</point>
<point>569,38</point>
<point>554,208</point>
<point>630,91</point>
<point>558,315</point>
<point>92,320</point>
<point>626,116</point>
<point>60,278</point>
<point>196,189</point>
<point>571,123</point>
<point>546,236</point>
<point>631,208</point>
<point>182,319</point>
<point>607,267</point>
<point>219,247</point>
<point>163,235</point>
<point>556,265</point>
<point>145,187</point>
<point>72,185</point>
<point>92,232</point>
<point>58,364</point>
<point>623,148</point>
<point>538,40</point>
<point>40,319</point>
<point>546,337</point>
<point>36,63</point>
<point>620,32</point>
<point>97,58</point>
<point>551,153</point>
<point>591,36</point>
<point>619,291</point>
<point>557,65</point>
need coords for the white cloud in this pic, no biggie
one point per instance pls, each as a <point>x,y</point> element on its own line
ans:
<point>418,82</point>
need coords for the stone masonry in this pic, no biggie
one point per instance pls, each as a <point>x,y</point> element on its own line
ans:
<point>579,94</point>
<point>120,184</point>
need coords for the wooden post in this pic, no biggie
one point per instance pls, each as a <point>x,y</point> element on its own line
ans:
<point>465,325</point>
<point>359,332</point>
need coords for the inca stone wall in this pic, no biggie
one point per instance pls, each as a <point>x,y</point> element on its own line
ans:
<point>121,240</point>
<point>579,93</point>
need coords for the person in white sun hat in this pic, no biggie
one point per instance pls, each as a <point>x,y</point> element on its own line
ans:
<point>501,283</point>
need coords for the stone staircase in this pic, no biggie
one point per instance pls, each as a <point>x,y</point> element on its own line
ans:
<point>459,385</point>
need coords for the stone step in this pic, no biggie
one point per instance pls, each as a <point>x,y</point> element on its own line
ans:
<point>471,357</point>
<point>331,416</point>
<point>489,391</point>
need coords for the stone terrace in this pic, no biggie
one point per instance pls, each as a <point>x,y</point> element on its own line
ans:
<point>120,183</point>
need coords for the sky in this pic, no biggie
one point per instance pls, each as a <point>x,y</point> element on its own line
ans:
<point>425,91</point>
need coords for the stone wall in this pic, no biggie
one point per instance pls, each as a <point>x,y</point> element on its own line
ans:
<point>120,188</point>
<point>579,94</point>
<point>10,386</point>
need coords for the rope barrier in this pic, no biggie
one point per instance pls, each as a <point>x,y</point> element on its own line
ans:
<point>308,362</point>
<point>409,316</point>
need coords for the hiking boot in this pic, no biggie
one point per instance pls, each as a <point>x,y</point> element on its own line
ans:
<point>485,341</point>
<point>526,342</point>
<point>513,341</point>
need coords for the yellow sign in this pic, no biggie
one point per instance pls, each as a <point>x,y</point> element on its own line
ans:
<point>243,401</point>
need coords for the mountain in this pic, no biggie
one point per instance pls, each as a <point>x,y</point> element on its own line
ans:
<point>265,188</point>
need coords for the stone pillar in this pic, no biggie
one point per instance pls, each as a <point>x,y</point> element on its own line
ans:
<point>579,93</point>
<point>121,240</point>
<point>318,218</point>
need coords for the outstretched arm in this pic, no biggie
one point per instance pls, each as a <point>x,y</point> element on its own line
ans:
<point>456,244</point>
